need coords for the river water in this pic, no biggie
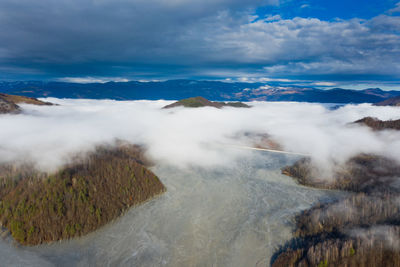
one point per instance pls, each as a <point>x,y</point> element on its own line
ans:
<point>222,216</point>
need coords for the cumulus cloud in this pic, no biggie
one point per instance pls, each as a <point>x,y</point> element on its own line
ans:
<point>311,46</point>
<point>149,39</point>
<point>96,35</point>
<point>49,135</point>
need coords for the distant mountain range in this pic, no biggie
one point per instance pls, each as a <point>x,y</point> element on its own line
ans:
<point>179,89</point>
<point>393,101</point>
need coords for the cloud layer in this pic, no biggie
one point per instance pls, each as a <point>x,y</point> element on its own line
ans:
<point>181,38</point>
<point>50,135</point>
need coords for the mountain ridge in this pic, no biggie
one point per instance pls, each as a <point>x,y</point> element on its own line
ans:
<point>180,89</point>
<point>392,101</point>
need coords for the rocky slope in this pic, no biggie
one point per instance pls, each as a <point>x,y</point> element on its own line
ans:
<point>8,107</point>
<point>17,99</point>
<point>9,103</point>
<point>360,229</point>
<point>198,101</point>
<point>82,196</point>
<point>393,101</point>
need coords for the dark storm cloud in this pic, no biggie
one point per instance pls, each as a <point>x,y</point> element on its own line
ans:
<point>169,38</point>
<point>91,36</point>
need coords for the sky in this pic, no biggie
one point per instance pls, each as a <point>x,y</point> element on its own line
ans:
<point>353,43</point>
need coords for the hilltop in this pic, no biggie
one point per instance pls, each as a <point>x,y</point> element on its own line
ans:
<point>9,103</point>
<point>18,99</point>
<point>38,207</point>
<point>198,101</point>
<point>379,125</point>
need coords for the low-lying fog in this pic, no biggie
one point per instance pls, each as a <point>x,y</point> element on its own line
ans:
<point>182,137</point>
<point>224,206</point>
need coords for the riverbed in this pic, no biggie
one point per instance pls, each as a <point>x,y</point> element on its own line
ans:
<point>214,216</point>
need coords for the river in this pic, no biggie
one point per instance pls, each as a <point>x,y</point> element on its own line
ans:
<point>220,216</point>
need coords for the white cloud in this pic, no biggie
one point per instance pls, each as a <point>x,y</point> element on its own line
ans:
<point>220,38</point>
<point>92,79</point>
<point>50,134</point>
<point>312,46</point>
<point>273,18</point>
<point>324,84</point>
<point>261,79</point>
<point>395,9</point>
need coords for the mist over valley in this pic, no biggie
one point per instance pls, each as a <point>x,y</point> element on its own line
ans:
<point>225,203</point>
<point>200,133</point>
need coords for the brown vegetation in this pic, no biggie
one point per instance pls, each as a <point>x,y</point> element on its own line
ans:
<point>17,99</point>
<point>379,125</point>
<point>8,107</point>
<point>369,248</point>
<point>198,101</point>
<point>363,173</point>
<point>37,207</point>
<point>8,103</point>
<point>352,211</point>
<point>360,229</point>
